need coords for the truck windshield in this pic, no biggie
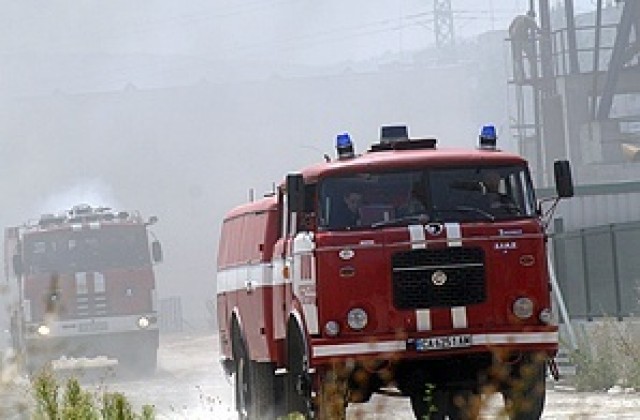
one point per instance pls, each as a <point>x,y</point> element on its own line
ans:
<point>66,251</point>
<point>462,194</point>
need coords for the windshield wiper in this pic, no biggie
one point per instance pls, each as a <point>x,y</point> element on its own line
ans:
<point>420,218</point>
<point>509,206</point>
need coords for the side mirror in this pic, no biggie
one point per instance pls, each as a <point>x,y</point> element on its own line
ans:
<point>295,193</point>
<point>563,179</point>
<point>156,251</point>
<point>18,268</point>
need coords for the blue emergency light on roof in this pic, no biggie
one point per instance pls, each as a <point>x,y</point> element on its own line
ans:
<point>344,146</point>
<point>488,137</point>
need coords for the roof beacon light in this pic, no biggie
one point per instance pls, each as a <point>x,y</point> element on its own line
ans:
<point>488,137</point>
<point>344,146</point>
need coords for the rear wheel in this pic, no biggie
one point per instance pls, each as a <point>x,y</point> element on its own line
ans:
<point>254,388</point>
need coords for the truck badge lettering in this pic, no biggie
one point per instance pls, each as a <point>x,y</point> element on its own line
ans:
<point>505,246</point>
<point>509,232</point>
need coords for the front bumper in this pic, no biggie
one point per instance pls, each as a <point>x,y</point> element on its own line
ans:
<point>324,350</point>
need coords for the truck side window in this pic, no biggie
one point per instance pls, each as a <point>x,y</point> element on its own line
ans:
<point>307,219</point>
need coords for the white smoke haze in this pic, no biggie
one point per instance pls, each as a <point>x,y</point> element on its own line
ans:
<point>94,192</point>
<point>179,109</point>
<point>186,109</point>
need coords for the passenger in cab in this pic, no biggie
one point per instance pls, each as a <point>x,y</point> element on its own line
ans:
<point>417,203</point>
<point>418,199</point>
<point>347,212</point>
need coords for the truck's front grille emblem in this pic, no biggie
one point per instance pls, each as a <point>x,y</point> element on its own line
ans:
<point>439,278</point>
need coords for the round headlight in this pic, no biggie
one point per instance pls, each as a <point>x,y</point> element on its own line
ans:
<point>332,328</point>
<point>357,318</point>
<point>523,308</point>
<point>44,330</point>
<point>546,316</point>
<point>143,322</point>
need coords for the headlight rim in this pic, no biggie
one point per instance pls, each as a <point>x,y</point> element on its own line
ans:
<point>523,308</point>
<point>332,332</point>
<point>357,319</point>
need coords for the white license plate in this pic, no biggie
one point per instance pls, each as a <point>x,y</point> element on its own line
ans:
<point>93,326</point>
<point>441,343</point>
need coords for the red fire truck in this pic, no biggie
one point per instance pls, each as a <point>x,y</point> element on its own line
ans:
<point>85,287</point>
<point>409,267</point>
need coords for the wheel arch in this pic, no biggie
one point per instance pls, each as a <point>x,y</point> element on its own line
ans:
<point>238,337</point>
<point>296,324</point>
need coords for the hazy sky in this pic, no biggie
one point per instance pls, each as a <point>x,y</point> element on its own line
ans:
<point>78,46</point>
<point>284,30</point>
<point>90,104</point>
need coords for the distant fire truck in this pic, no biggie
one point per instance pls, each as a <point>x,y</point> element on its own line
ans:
<point>85,287</point>
<point>409,266</point>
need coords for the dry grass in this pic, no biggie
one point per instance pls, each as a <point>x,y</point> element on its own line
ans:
<point>608,355</point>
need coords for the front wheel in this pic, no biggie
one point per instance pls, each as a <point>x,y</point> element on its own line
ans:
<point>255,389</point>
<point>525,394</point>
<point>298,380</point>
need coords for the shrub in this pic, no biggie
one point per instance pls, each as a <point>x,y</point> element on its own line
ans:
<point>76,403</point>
<point>607,355</point>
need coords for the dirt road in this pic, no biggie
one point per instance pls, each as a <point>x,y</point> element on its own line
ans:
<point>190,385</point>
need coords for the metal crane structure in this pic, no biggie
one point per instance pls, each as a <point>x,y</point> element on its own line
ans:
<point>577,97</point>
<point>443,24</point>
<point>579,94</point>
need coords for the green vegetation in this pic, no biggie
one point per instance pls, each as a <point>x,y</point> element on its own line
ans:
<point>428,400</point>
<point>293,416</point>
<point>46,399</point>
<point>75,403</point>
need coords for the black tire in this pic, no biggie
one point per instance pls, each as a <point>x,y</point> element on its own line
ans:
<point>525,394</point>
<point>255,388</point>
<point>243,387</point>
<point>263,390</point>
<point>298,380</point>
